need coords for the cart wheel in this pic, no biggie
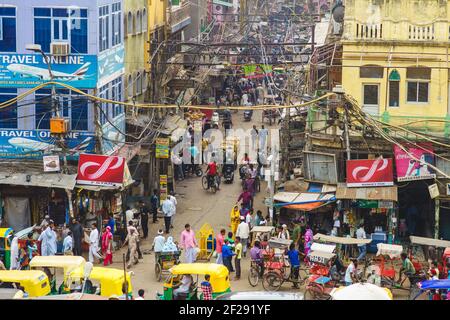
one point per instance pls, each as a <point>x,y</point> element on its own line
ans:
<point>205,182</point>
<point>253,277</point>
<point>158,272</point>
<point>272,281</point>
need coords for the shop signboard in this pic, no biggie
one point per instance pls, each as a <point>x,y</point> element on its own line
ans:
<point>255,71</point>
<point>162,148</point>
<point>34,144</point>
<point>111,64</point>
<point>162,188</point>
<point>417,168</point>
<point>30,70</point>
<point>51,163</point>
<point>386,204</point>
<point>96,169</point>
<point>434,191</point>
<point>370,173</point>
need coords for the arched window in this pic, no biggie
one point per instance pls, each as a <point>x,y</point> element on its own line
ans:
<point>138,84</point>
<point>138,22</point>
<point>394,88</point>
<point>134,24</point>
<point>130,86</point>
<point>125,25</point>
<point>130,23</point>
<point>144,20</point>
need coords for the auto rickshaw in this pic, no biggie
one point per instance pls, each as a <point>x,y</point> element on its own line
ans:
<point>33,282</point>
<point>5,246</point>
<point>219,280</point>
<point>64,263</point>
<point>109,281</point>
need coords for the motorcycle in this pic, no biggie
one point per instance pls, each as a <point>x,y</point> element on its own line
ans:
<point>212,185</point>
<point>188,170</point>
<point>228,173</point>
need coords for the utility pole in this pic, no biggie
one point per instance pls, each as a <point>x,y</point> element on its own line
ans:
<point>339,90</point>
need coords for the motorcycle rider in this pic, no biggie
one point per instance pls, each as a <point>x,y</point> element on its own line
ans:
<point>211,173</point>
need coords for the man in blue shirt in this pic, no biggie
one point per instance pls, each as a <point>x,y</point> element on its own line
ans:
<point>154,200</point>
<point>227,255</point>
<point>294,259</point>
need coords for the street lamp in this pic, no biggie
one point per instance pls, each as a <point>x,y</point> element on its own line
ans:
<point>38,49</point>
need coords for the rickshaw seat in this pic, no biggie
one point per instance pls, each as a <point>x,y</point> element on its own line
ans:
<point>389,273</point>
<point>274,265</point>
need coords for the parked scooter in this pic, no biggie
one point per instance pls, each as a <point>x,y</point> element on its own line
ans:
<point>228,173</point>
<point>188,170</point>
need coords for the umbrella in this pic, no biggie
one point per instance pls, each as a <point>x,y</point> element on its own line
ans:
<point>361,291</point>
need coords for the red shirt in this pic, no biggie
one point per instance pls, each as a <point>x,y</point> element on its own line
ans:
<point>212,169</point>
<point>219,243</point>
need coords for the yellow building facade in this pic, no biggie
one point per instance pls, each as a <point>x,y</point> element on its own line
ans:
<point>136,16</point>
<point>396,57</point>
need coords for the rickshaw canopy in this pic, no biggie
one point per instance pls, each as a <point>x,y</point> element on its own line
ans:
<point>68,263</point>
<point>111,280</point>
<point>392,250</point>
<point>329,248</point>
<point>278,243</point>
<point>340,240</point>
<point>219,280</point>
<point>35,282</point>
<point>321,256</point>
<point>435,284</point>
<point>263,229</point>
<point>361,291</point>
<point>429,242</point>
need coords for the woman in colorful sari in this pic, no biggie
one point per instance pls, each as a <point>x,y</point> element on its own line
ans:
<point>107,246</point>
<point>308,240</point>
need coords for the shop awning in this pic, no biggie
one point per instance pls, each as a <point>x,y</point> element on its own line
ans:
<point>430,242</point>
<point>371,193</point>
<point>340,240</point>
<point>45,180</point>
<point>305,201</point>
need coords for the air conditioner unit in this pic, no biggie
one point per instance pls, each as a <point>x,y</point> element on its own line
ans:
<point>60,48</point>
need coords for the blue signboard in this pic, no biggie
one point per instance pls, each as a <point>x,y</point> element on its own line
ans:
<point>29,70</point>
<point>111,63</point>
<point>113,139</point>
<point>33,144</point>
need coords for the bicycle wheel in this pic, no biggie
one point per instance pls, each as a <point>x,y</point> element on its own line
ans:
<point>205,183</point>
<point>158,272</point>
<point>253,277</point>
<point>272,281</point>
<point>303,275</point>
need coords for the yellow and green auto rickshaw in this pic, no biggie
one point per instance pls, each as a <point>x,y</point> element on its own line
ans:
<point>5,246</point>
<point>219,279</point>
<point>34,282</point>
<point>106,282</point>
<point>61,264</point>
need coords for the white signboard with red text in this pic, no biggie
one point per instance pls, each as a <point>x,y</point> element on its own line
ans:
<point>100,170</point>
<point>370,173</point>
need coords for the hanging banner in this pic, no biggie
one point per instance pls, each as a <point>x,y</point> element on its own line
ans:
<point>370,173</point>
<point>162,148</point>
<point>409,169</point>
<point>100,170</point>
<point>255,71</point>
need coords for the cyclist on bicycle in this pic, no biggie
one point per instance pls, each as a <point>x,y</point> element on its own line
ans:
<point>407,267</point>
<point>257,257</point>
<point>211,172</point>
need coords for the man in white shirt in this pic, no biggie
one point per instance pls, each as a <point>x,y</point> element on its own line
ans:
<point>254,134</point>
<point>177,163</point>
<point>158,244</point>
<point>168,209</point>
<point>68,244</point>
<point>184,287</point>
<point>172,198</point>
<point>263,133</point>
<point>350,273</point>
<point>129,215</point>
<point>243,231</point>
<point>361,234</point>
<point>93,244</point>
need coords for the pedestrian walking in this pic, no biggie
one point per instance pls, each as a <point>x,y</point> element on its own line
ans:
<point>144,212</point>
<point>77,233</point>
<point>168,209</point>
<point>14,253</point>
<point>172,198</point>
<point>48,240</point>
<point>227,255</point>
<point>309,237</point>
<point>129,228</point>
<point>107,246</point>
<point>254,135</point>
<point>129,215</point>
<point>243,232</point>
<point>154,200</point>
<point>263,133</point>
<point>132,240</point>
<point>189,244</point>
<point>361,234</point>
<point>237,259</point>
<point>294,260</point>
<point>93,244</point>
<point>220,240</point>
<point>68,244</point>
<point>178,166</point>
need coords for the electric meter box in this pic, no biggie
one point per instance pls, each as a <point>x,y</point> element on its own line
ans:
<point>59,125</point>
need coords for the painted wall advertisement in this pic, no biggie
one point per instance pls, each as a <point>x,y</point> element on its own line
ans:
<point>34,144</point>
<point>110,64</point>
<point>162,188</point>
<point>370,173</point>
<point>29,70</point>
<point>409,169</point>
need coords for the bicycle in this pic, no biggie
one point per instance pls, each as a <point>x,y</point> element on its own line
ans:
<point>254,274</point>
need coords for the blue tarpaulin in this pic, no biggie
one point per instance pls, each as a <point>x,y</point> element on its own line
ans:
<point>435,284</point>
